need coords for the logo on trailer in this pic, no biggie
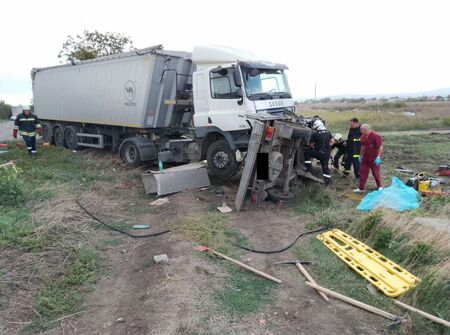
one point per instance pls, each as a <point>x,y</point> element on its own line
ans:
<point>130,91</point>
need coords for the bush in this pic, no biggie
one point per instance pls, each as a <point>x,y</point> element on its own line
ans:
<point>5,110</point>
<point>397,104</point>
<point>368,226</point>
<point>446,122</point>
<point>383,239</point>
<point>11,193</point>
<point>311,199</point>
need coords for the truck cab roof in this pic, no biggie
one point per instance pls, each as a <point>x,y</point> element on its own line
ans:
<point>216,55</point>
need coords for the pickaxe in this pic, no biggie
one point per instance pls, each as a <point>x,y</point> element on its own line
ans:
<point>299,264</point>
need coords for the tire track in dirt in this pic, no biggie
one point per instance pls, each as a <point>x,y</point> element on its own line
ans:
<point>140,297</point>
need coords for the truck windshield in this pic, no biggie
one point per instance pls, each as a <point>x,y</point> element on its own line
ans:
<point>263,84</point>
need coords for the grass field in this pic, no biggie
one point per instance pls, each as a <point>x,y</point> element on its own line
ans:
<point>381,116</point>
<point>27,226</point>
<point>37,217</point>
<point>424,252</point>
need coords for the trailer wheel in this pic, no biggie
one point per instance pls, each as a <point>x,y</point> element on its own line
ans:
<point>222,160</point>
<point>130,153</point>
<point>59,137</point>
<point>47,134</point>
<point>278,195</point>
<point>70,136</point>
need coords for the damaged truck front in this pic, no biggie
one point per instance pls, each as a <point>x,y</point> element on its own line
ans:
<point>172,106</point>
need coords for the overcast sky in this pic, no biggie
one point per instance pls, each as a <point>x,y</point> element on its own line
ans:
<point>361,47</point>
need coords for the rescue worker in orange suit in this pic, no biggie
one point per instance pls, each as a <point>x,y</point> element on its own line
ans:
<point>27,124</point>
<point>320,140</point>
<point>371,150</point>
<point>353,148</point>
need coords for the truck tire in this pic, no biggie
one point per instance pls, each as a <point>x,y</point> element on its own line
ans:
<point>58,135</point>
<point>304,133</point>
<point>221,160</point>
<point>277,194</point>
<point>130,153</point>
<point>47,133</point>
<point>70,137</point>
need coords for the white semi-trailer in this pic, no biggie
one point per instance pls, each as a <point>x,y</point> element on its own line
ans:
<point>153,104</point>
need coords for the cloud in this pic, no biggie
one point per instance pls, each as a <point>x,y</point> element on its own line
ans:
<point>347,46</point>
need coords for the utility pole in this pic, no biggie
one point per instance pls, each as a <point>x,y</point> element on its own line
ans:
<point>315,91</point>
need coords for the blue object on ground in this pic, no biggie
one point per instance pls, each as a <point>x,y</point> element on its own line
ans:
<point>397,196</point>
<point>141,226</point>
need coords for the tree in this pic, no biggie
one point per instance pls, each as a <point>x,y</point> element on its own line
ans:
<point>5,110</point>
<point>94,44</point>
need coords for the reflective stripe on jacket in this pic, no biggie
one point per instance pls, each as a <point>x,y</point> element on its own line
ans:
<point>27,124</point>
<point>354,142</point>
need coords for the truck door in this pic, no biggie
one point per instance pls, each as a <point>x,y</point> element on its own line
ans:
<point>225,100</point>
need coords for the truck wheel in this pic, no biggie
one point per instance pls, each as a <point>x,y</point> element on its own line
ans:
<point>304,133</point>
<point>222,160</point>
<point>70,136</point>
<point>130,153</point>
<point>278,195</point>
<point>47,134</point>
<point>59,137</point>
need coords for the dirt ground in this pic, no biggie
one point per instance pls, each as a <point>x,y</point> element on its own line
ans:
<point>140,297</point>
<point>136,296</point>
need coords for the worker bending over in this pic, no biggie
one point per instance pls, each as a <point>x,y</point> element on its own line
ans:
<point>371,150</point>
<point>341,145</point>
<point>320,149</point>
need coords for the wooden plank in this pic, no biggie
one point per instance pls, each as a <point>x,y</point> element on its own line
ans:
<point>354,302</point>
<point>425,314</point>
<point>252,151</point>
<point>310,279</point>
<point>240,264</point>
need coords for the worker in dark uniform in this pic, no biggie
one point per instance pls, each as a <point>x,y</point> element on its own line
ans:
<point>320,149</point>
<point>341,145</point>
<point>27,124</point>
<point>353,148</point>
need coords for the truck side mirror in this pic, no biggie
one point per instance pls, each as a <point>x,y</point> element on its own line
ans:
<point>239,94</point>
<point>237,78</point>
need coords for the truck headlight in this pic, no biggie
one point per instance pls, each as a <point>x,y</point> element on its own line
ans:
<point>290,109</point>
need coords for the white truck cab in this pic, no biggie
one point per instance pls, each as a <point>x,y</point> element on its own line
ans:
<point>228,85</point>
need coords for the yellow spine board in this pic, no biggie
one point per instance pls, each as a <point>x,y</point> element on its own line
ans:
<point>387,276</point>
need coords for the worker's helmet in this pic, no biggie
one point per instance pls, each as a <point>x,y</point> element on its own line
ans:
<point>337,137</point>
<point>318,125</point>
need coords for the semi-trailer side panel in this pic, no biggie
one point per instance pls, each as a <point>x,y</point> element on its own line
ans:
<point>125,90</point>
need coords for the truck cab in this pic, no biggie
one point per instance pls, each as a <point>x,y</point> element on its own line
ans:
<point>229,85</point>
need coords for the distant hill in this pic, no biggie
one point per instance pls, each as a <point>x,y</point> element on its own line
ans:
<point>443,92</point>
